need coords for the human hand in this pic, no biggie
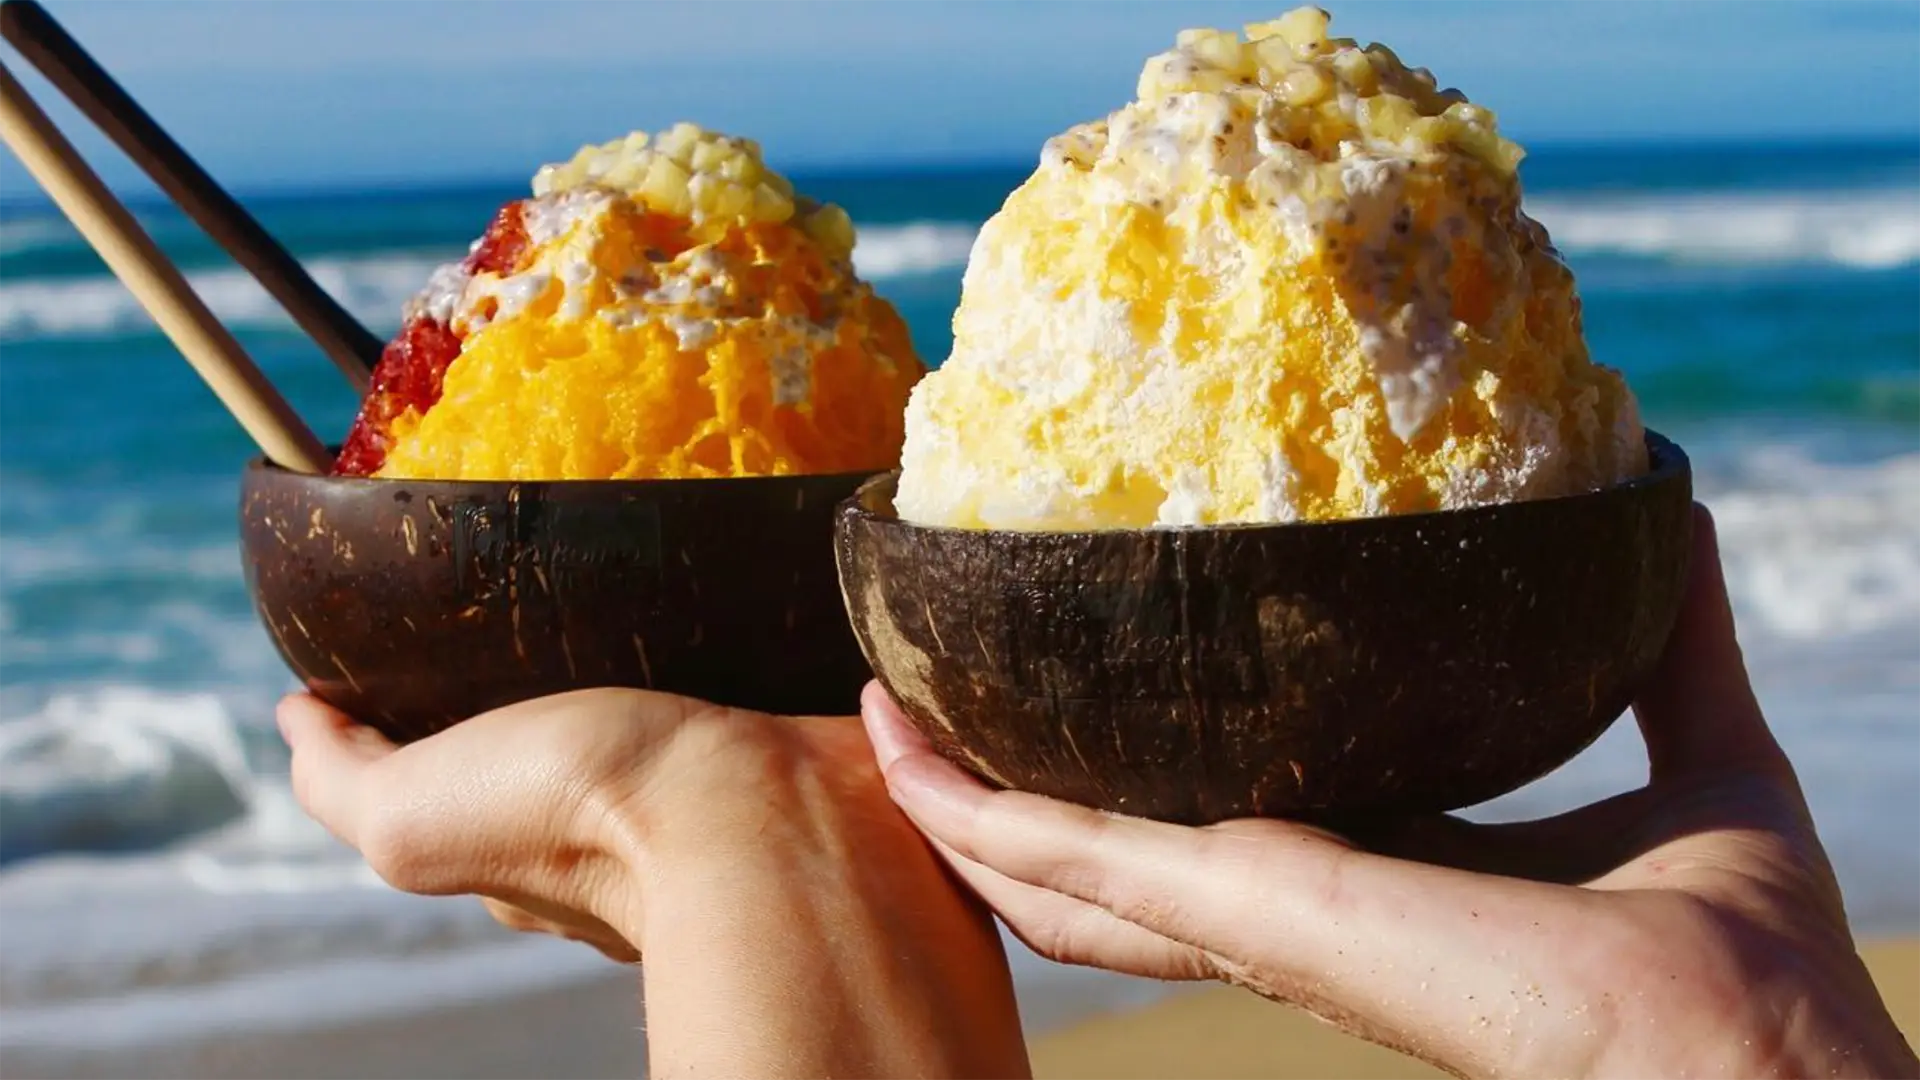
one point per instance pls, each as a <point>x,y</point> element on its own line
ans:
<point>512,806</point>
<point>793,922</point>
<point>1691,927</point>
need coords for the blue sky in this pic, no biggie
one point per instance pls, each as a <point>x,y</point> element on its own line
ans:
<point>333,92</point>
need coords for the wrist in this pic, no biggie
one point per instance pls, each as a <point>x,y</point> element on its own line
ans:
<point>774,879</point>
<point>774,805</point>
<point>1829,1027</point>
<point>1790,1047</point>
<point>1799,1023</point>
<point>716,794</point>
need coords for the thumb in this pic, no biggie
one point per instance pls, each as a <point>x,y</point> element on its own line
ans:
<point>1698,712</point>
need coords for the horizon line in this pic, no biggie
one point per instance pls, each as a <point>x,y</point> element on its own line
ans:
<point>146,197</point>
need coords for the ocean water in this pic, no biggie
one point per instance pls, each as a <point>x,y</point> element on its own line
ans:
<point>1764,302</point>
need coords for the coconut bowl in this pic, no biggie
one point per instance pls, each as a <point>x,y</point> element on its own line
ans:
<point>1345,670</point>
<point>412,605</point>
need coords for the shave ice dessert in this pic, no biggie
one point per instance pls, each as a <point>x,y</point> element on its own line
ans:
<point>663,306</point>
<point>1291,281</point>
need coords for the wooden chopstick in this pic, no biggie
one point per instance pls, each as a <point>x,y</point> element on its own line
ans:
<point>154,281</point>
<point>352,347</point>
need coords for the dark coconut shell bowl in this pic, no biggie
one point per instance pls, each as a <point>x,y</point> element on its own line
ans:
<point>413,604</point>
<point>1342,670</point>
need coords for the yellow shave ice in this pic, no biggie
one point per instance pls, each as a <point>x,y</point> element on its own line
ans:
<point>1291,282</point>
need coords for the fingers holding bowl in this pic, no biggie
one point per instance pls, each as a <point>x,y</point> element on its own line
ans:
<point>420,815</point>
<point>506,805</point>
<point>1283,908</point>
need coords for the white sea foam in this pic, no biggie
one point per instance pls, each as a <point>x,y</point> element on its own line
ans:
<point>374,286</point>
<point>118,768</point>
<point>1818,551</point>
<point>1864,230</point>
<point>923,247</point>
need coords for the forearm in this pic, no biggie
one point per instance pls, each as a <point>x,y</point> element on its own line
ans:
<point>791,958</point>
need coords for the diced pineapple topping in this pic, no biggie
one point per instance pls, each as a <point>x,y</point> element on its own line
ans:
<point>1356,94</point>
<point>713,181</point>
<point>1301,27</point>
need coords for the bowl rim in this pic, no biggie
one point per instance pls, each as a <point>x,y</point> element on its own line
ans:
<point>259,465</point>
<point>1667,462</point>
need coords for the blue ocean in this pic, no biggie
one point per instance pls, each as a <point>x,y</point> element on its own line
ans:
<point>1764,302</point>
